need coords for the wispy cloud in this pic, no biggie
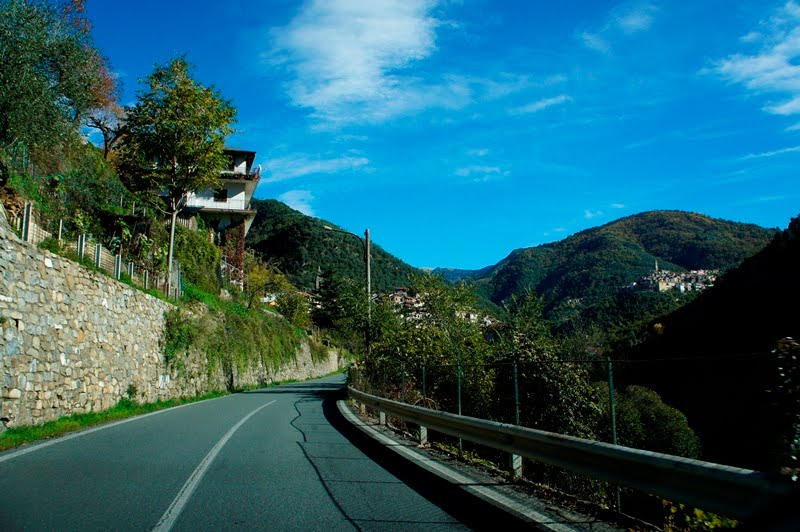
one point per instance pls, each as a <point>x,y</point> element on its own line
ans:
<point>299,200</point>
<point>773,69</point>
<point>762,155</point>
<point>535,107</point>
<point>301,164</point>
<point>617,205</point>
<point>624,20</point>
<point>589,214</point>
<point>348,56</point>
<point>482,173</point>
<point>478,152</point>
<point>634,18</point>
<point>595,42</point>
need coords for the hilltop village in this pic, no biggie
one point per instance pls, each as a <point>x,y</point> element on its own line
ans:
<point>660,280</point>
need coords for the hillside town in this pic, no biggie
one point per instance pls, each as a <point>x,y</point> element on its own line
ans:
<point>660,280</point>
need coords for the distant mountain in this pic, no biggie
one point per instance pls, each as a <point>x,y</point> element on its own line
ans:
<point>597,262</point>
<point>301,246</point>
<point>715,356</point>
<point>454,275</point>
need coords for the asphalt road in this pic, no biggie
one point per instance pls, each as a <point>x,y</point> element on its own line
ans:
<point>281,458</point>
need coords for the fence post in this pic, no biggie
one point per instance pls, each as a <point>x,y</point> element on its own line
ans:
<point>403,382</point>
<point>81,245</point>
<point>458,386</point>
<point>117,266</point>
<point>424,388</point>
<point>26,222</point>
<point>130,270</point>
<point>146,279</point>
<point>60,230</point>
<point>613,407</point>
<point>98,250</point>
<point>515,460</point>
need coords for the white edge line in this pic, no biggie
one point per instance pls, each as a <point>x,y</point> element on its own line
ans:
<point>488,494</point>
<point>174,511</point>
<point>67,437</point>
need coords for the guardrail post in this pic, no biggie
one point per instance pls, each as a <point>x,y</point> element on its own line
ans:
<point>613,407</point>
<point>423,435</point>
<point>382,418</point>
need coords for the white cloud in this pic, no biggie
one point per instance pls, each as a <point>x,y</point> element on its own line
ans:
<point>617,205</point>
<point>589,214</point>
<point>773,69</point>
<point>595,42</point>
<point>479,152</point>
<point>300,164</point>
<point>773,153</point>
<point>626,19</point>
<point>636,18</point>
<point>350,59</point>
<point>544,103</point>
<point>481,173</point>
<point>299,200</point>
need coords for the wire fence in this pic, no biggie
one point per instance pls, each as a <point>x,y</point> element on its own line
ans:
<point>87,248</point>
<point>547,395</point>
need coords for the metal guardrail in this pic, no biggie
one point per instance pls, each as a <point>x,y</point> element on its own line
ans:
<point>726,490</point>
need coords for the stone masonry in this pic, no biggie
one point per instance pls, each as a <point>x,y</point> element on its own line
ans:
<point>73,340</point>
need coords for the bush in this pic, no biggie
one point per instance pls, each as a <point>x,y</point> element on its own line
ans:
<point>199,259</point>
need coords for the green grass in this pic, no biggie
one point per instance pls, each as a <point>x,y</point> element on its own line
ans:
<point>17,436</point>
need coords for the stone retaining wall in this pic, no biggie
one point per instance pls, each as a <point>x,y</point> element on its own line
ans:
<point>73,340</point>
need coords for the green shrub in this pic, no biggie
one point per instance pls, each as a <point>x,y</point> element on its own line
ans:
<point>199,259</point>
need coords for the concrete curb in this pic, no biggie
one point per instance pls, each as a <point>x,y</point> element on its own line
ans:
<point>471,486</point>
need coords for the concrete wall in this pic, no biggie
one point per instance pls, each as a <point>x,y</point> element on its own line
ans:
<point>73,341</point>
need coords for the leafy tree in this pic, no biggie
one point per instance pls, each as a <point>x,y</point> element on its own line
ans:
<point>173,138</point>
<point>294,307</point>
<point>262,279</point>
<point>644,421</point>
<point>51,76</point>
<point>555,395</point>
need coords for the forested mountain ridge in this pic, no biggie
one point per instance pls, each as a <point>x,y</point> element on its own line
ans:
<point>601,260</point>
<point>718,364</point>
<point>300,246</point>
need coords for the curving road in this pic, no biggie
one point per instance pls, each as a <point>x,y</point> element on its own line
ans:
<point>281,458</point>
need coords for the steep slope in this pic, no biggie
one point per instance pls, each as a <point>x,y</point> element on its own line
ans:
<point>300,246</point>
<point>717,364</point>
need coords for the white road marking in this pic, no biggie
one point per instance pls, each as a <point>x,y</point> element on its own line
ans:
<point>37,446</point>
<point>175,509</point>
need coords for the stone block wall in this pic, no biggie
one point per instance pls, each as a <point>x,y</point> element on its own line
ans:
<point>73,341</point>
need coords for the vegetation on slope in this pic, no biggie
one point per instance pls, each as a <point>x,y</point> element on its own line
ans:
<point>717,349</point>
<point>300,246</point>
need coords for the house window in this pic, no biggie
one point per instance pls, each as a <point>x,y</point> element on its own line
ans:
<point>221,194</point>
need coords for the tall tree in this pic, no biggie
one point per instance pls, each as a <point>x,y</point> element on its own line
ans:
<point>173,138</point>
<point>51,75</point>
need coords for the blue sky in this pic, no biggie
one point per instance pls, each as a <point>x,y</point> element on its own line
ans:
<point>458,131</point>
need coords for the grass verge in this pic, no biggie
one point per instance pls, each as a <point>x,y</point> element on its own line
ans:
<point>17,436</point>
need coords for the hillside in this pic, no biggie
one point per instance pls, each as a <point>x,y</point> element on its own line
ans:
<point>595,263</point>
<point>300,246</point>
<point>722,343</point>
